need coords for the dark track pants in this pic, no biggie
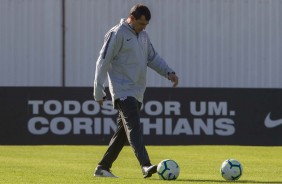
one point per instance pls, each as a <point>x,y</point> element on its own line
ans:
<point>128,129</point>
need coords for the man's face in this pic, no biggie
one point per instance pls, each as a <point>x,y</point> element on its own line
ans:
<point>140,24</point>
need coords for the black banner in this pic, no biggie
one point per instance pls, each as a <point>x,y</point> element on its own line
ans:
<point>170,116</point>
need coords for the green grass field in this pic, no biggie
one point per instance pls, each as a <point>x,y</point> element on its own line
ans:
<point>75,164</point>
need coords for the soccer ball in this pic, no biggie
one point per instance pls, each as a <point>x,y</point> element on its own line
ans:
<point>168,170</point>
<point>231,169</point>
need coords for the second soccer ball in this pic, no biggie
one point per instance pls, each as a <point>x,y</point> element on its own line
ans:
<point>231,169</point>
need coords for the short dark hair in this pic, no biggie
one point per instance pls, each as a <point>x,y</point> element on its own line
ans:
<point>138,10</point>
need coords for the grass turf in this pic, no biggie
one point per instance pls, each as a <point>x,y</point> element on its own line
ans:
<point>75,164</point>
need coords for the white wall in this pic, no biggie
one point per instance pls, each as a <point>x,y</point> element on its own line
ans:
<point>210,43</point>
<point>30,43</point>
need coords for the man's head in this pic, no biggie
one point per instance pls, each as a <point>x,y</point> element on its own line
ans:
<point>139,17</point>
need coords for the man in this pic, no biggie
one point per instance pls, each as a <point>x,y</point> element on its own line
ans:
<point>124,58</point>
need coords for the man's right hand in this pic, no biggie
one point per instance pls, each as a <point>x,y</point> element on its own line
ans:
<point>101,102</point>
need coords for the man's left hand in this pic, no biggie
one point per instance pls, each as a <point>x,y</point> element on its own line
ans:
<point>173,78</point>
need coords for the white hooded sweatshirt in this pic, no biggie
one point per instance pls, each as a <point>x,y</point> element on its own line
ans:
<point>124,59</point>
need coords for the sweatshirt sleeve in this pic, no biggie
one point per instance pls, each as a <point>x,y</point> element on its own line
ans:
<point>109,50</point>
<point>157,63</point>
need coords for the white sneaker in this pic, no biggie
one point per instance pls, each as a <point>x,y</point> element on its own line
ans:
<point>99,172</point>
<point>149,170</point>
